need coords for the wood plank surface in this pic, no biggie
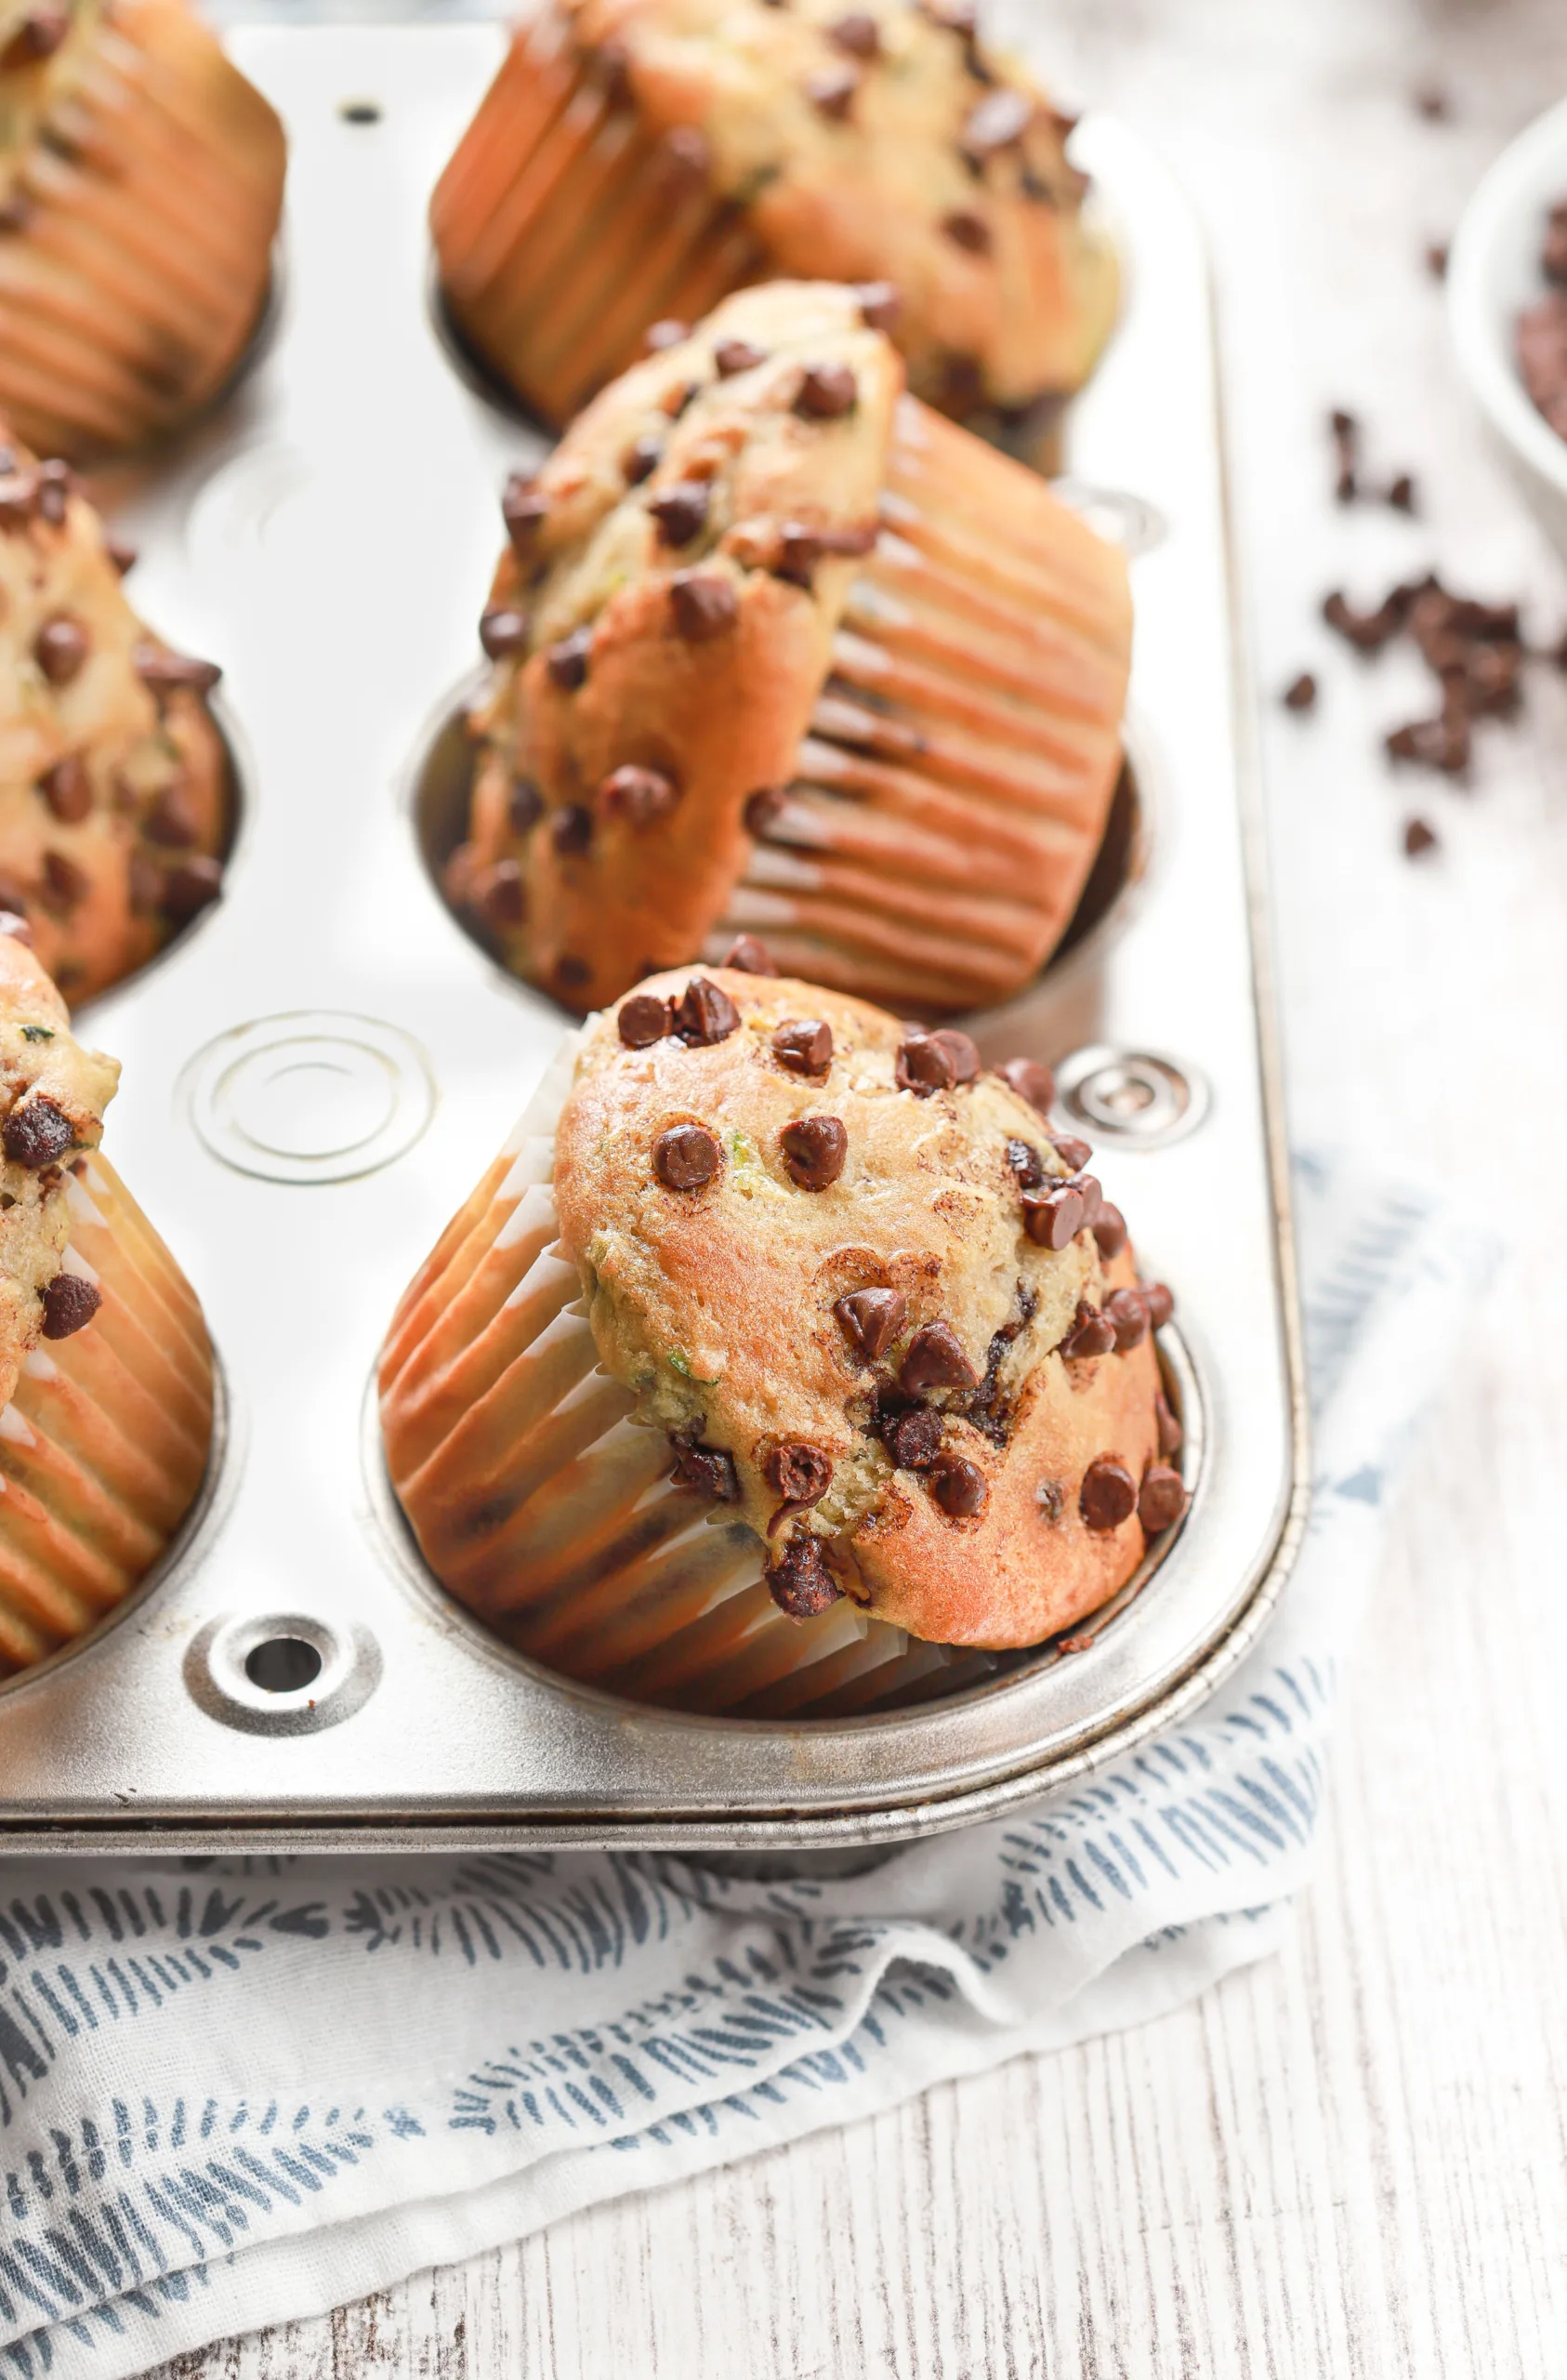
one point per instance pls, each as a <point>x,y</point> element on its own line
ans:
<point>1351,2159</point>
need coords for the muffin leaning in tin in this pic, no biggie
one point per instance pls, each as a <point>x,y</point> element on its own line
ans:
<point>777,648</point>
<point>106,1389</point>
<point>635,160</point>
<point>781,1350</point>
<point>140,185</point>
<point>114,780</point>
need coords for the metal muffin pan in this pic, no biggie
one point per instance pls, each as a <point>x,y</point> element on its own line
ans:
<point>314,1081</point>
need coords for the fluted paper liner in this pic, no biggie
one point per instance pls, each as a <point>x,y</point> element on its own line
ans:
<point>106,1441</point>
<point>540,1505</point>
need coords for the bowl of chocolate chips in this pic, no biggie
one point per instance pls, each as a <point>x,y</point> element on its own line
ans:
<point>1506,286</point>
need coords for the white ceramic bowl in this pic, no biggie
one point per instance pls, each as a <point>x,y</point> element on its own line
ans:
<point>1493,273</point>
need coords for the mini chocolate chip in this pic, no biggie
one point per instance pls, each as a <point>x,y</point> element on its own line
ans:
<point>567,662</point>
<point>1419,838</point>
<point>1108,1495</point>
<point>1159,1302</point>
<point>640,796</point>
<point>165,672</point>
<point>680,511</point>
<point>924,1064</point>
<point>857,35</point>
<point>968,230</point>
<point>65,885</point>
<point>189,887</point>
<point>1302,692</point>
<point>1171,1435</point>
<point>827,392</point>
<point>499,895</point>
<point>570,829</point>
<point>1401,493</point>
<point>644,1018</point>
<point>870,1319</point>
<point>69,1303</point>
<point>67,791</point>
<point>525,806</point>
<point>1092,1333</point>
<point>1070,1152</point>
<point>746,956</point>
<point>804,1045</point>
<point>830,91</point>
<point>799,1582</point>
<point>961,1050</point>
<point>935,1359</point>
<point>1027,1164</point>
<point>641,459</point>
<point>1128,1312</point>
<point>815,1151</point>
<point>709,1471</point>
<point>704,604</point>
<point>1001,117</point>
<point>36,1133</point>
<point>524,509</point>
<point>60,648</point>
<point>960,1487</point>
<point>704,1013</point>
<point>799,1471</point>
<point>913,1439</point>
<point>1161,1498</point>
<point>732,355</point>
<point>880,304</point>
<point>1031,1081</point>
<point>1109,1230</point>
<point>662,335</point>
<point>504,633</point>
<point>1053,1218</point>
<point>763,809</point>
<point>686,1156</point>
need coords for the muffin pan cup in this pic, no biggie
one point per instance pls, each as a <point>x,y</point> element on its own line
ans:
<point>314,1082</point>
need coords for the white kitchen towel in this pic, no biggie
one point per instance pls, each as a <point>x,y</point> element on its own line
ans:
<point>235,2091</point>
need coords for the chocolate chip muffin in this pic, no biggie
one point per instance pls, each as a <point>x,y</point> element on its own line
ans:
<point>105,1367</point>
<point>775,647</point>
<point>113,782</point>
<point>636,159</point>
<point>140,185</point>
<point>779,1311</point>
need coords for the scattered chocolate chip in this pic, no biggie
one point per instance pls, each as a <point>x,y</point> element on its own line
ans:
<point>165,672</point>
<point>704,604</point>
<point>804,1045</point>
<point>815,1151</point>
<point>35,1133</point>
<point>69,1303</point>
<point>1430,103</point>
<point>704,1013</point>
<point>1302,692</point>
<point>641,459</point>
<point>967,230</point>
<point>60,648</point>
<point>67,791</point>
<point>924,1064</point>
<point>1170,1434</point>
<point>1160,1303</point>
<point>524,805</point>
<point>763,809</point>
<point>640,796</point>
<point>1031,1081</point>
<point>1442,743</point>
<point>499,895</point>
<point>799,1471</point>
<point>1108,1495</point>
<point>960,1487</point>
<point>189,887</point>
<point>935,1359</point>
<point>735,355</point>
<point>524,509</point>
<point>1435,260</point>
<point>1053,1218</point>
<point>680,511</point>
<point>1026,1163</point>
<point>870,1319</point>
<point>1126,1311</point>
<point>799,1582</point>
<point>65,885</point>
<point>831,92</point>
<point>1070,1151</point>
<point>826,392</point>
<point>746,956</point>
<point>686,1156</point>
<point>570,829</point>
<point>707,1471</point>
<point>1367,632</point>
<point>961,1050</point>
<point>1419,838</point>
<point>504,633</point>
<point>662,335</point>
<point>643,1019</point>
<point>1345,442</point>
<point>913,1438</point>
<point>567,662</point>
<point>1161,1498</point>
<point>1401,493</point>
<point>880,304</point>
<point>1092,1333</point>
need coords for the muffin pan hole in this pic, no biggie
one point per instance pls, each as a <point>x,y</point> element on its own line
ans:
<point>283,1673</point>
<point>1127,520</point>
<point>311,1096</point>
<point>282,1664</point>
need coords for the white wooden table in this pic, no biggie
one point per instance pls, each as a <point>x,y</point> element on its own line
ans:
<point>1351,2159</point>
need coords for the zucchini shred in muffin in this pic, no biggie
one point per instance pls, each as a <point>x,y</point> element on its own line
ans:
<point>106,1371</point>
<point>635,160</point>
<point>775,647</point>
<point>885,1325</point>
<point>140,187</point>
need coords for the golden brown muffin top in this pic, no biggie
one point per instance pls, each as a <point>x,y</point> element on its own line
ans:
<point>880,140</point>
<point>53,1093</point>
<point>662,623</point>
<point>796,1220</point>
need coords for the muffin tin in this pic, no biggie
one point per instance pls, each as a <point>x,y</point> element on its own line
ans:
<point>318,1072</point>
